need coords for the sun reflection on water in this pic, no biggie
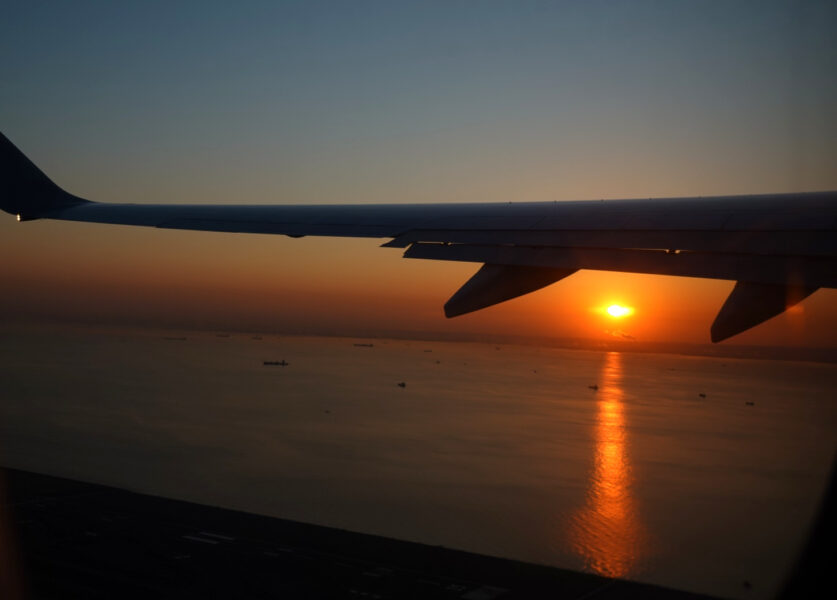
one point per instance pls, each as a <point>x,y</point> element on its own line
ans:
<point>606,533</point>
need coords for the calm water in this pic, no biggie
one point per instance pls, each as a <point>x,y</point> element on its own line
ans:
<point>499,450</point>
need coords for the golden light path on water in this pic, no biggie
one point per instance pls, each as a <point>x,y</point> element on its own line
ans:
<point>606,533</point>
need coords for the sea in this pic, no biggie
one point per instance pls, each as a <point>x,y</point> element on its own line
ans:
<point>696,473</point>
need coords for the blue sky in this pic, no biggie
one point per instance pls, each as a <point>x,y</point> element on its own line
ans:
<point>383,101</point>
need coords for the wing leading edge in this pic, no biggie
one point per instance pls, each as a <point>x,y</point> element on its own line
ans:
<point>779,248</point>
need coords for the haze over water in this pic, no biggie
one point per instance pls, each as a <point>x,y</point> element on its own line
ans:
<point>502,450</point>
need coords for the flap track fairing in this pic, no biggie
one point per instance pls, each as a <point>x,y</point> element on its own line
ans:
<point>494,283</point>
<point>752,303</point>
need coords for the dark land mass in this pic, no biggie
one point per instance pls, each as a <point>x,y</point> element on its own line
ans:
<point>79,540</point>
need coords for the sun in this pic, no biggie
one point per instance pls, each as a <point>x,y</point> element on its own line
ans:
<point>617,311</point>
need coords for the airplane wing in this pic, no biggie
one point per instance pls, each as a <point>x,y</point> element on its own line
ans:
<point>779,248</point>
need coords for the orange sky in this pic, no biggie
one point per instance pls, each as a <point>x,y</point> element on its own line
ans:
<point>139,276</point>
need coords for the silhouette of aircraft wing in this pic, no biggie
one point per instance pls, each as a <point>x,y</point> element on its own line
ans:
<point>779,248</point>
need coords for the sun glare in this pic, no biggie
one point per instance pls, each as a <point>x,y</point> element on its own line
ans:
<point>617,312</point>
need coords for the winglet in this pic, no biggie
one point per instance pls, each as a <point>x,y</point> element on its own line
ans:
<point>25,190</point>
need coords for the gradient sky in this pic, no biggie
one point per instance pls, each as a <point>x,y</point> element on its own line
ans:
<point>324,102</point>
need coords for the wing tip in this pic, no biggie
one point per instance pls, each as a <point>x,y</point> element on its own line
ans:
<point>25,190</point>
